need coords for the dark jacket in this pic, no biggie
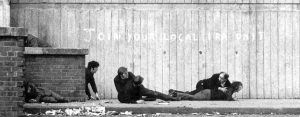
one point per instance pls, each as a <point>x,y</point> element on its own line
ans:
<point>89,78</point>
<point>211,83</point>
<point>127,91</point>
<point>220,95</point>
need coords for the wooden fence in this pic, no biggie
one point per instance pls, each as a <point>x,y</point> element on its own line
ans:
<point>173,45</point>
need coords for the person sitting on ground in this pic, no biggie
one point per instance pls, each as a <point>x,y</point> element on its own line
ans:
<point>130,88</point>
<point>89,79</point>
<point>218,81</point>
<point>209,94</point>
<point>35,94</point>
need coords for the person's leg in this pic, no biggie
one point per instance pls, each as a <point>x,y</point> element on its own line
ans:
<point>58,97</point>
<point>147,92</point>
<point>202,95</point>
<point>48,99</point>
<point>185,96</point>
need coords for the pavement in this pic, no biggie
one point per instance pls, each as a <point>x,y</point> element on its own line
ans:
<point>241,106</point>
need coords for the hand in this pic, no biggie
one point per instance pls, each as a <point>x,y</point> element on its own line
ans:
<point>97,96</point>
<point>32,101</point>
<point>140,101</point>
<point>224,89</point>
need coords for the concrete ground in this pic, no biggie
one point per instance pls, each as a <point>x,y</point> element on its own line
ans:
<point>242,106</point>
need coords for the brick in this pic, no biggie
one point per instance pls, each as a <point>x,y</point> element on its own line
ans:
<point>20,44</point>
<point>20,49</point>
<point>20,54</point>
<point>10,43</point>
<point>3,73</point>
<point>10,53</point>
<point>5,58</point>
<point>9,63</point>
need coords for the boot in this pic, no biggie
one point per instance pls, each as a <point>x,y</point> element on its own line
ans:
<point>165,97</point>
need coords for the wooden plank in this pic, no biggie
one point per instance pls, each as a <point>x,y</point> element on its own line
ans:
<point>158,50</point>
<point>56,27</point>
<point>253,57</point>
<point>51,31</point>
<point>92,42</point>
<point>289,54</point>
<point>108,54</point>
<point>180,51</point>
<point>100,50</point>
<point>216,46</point>
<point>274,55</point>
<point>144,47</point>
<point>33,22</point>
<point>43,26</point>
<point>267,55</point>
<point>166,51</point>
<point>64,28</point>
<point>202,46</point>
<point>296,54</point>
<point>231,44</point>
<point>281,53</point>
<point>209,44</point>
<point>245,53</point>
<point>223,43</point>
<point>136,42</point>
<point>72,30</point>
<point>151,50</point>
<point>115,48</point>
<point>194,48</point>
<point>238,50</point>
<point>188,50</point>
<point>260,57</point>
<point>21,17</point>
<point>173,50</point>
<point>14,17</point>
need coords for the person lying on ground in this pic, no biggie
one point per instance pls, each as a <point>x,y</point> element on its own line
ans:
<point>210,94</point>
<point>218,81</point>
<point>35,94</point>
<point>130,88</point>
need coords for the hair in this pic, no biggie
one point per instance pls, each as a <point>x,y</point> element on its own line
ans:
<point>93,64</point>
<point>226,75</point>
<point>122,70</point>
<point>235,85</point>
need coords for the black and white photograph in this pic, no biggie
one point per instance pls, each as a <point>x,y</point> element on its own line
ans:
<point>150,58</point>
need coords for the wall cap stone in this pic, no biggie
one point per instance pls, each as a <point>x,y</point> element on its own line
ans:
<point>13,31</point>
<point>55,51</point>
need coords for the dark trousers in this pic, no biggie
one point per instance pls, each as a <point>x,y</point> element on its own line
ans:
<point>154,94</point>
<point>51,97</point>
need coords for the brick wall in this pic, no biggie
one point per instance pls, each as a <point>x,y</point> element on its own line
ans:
<point>60,70</point>
<point>11,70</point>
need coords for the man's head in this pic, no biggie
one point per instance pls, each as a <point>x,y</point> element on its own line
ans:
<point>93,66</point>
<point>223,77</point>
<point>122,71</point>
<point>237,86</point>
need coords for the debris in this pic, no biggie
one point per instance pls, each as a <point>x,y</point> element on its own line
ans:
<point>208,114</point>
<point>112,113</point>
<point>163,102</point>
<point>53,112</point>
<point>126,113</point>
<point>194,113</point>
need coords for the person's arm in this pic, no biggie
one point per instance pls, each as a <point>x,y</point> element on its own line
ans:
<point>118,86</point>
<point>214,82</point>
<point>93,85</point>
